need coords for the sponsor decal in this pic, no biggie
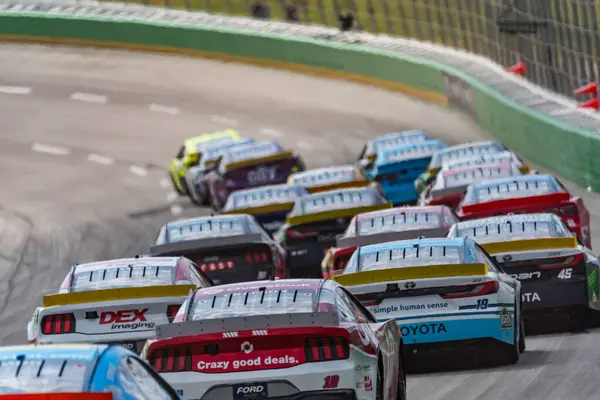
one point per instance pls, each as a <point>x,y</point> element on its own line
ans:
<point>507,258</point>
<point>409,307</point>
<point>423,329</point>
<point>368,384</point>
<point>410,285</point>
<point>505,319</point>
<point>530,297</point>
<point>247,347</point>
<point>358,368</point>
<point>272,226</point>
<point>126,319</point>
<point>262,174</point>
<point>237,364</point>
<point>527,275</point>
<point>250,391</point>
<point>359,385</point>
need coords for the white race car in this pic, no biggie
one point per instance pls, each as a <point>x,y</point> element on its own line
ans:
<point>117,301</point>
<point>445,294</point>
<point>283,339</point>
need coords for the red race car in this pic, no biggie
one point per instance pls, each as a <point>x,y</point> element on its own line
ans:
<point>523,195</point>
<point>385,226</point>
<point>450,185</point>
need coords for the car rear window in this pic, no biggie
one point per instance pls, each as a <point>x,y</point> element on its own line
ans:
<point>254,150</point>
<point>398,222</point>
<point>247,303</point>
<point>326,176</point>
<point>263,196</point>
<point>390,141</point>
<point>417,150</point>
<point>205,228</point>
<point>506,229</point>
<point>473,175</point>
<point>122,276</point>
<point>43,375</point>
<point>469,151</point>
<point>411,256</point>
<point>336,200</point>
<point>514,189</point>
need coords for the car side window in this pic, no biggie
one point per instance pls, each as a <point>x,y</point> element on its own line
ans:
<point>345,308</point>
<point>203,281</point>
<point>139,381</point>
<point>485,257</point>
<point>360,312</point>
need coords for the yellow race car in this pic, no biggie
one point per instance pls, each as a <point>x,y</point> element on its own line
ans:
<point>190,152</point>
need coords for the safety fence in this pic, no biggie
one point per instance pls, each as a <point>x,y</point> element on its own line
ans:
<point>558,40</point>
<point>538,124</point>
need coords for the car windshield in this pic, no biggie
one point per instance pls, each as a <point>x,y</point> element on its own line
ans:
<point>411,257</point>
<point>122,276</point>
<point>43,376</point>
<point>253,302</point>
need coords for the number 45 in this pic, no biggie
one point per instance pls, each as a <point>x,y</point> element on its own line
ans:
<point>565,273</point>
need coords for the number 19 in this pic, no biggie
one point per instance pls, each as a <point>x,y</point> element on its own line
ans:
<point>482,304</point>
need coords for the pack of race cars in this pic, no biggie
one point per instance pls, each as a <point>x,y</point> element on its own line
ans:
<point>328,283</point>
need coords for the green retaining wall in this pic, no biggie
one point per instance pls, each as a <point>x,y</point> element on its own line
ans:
<point>566,150</point>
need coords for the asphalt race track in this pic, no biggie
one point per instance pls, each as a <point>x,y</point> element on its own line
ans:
<point>86,135</point>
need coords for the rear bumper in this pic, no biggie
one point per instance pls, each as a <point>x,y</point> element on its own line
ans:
<point>549,296</point>
<point>449,329</point>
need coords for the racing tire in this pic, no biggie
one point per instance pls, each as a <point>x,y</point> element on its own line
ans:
<point>522,344</point>
<point>175,187</point>
<point>512,355</point>
<point>379,395</point>
<point>401,391</point>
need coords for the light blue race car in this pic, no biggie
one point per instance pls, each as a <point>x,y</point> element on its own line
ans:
<point>446,294</point>
<point>396,169</point>
<point>79,372</point>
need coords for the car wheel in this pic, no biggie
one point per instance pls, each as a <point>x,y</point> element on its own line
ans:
<point>522,345</point>
<point>401,391</point>
<point>175,187</point>
<point>512,355</point>
<point>380,390</point>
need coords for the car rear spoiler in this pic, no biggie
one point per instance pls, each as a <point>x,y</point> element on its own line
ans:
<point>518,202</point>
<point>530,245</point>
<point>266,209</point>
<point>197,244</point>
<point>406,273</point>
<point>259,160</point>
<point>338,185</point>
<point>95,296</point>
<point>59,396</point>
<point>343,213</point>
<point>383,237</point>
<point>253,322</point>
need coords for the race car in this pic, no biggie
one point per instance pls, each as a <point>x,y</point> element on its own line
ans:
<point>558,275</point>
<point>369,152</point>
<point>317,220</point>
<point>527,194</point>
<point>187,156</point>
<point>329,178</point>
<point>385,226</point>
<point>396,169</point>
<point>303,339</point>
<point>78,372</point>
<point>115,301</point>
<point>454,153</point>
<point>445,294</point>
<point>450,186</point>
<point>208,155</point>
<point>269,205</point>
<point>494,158</point>
<point>253,165</point>
<point>228,248</point>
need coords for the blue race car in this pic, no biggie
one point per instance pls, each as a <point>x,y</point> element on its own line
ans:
<point>446,294</point>
<point>79,372</point>
<point>397,168</point>
<point>268,204</point>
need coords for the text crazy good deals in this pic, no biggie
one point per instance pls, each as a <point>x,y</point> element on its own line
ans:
<point>126,319</point>
<point>237,364</point>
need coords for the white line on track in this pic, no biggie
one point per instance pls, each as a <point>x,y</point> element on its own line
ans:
<point>172,196</point>
<point>15,90</point>
<point>89,98</point>
<point>271,132</point>
<point>55,150</point>
<point>176,210</point>
<point>165,183</point>
<point>224,120</point>
<point>163,109</point>
<point>96,158</point>
<point>139,171</point>
<point>304,145</point>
